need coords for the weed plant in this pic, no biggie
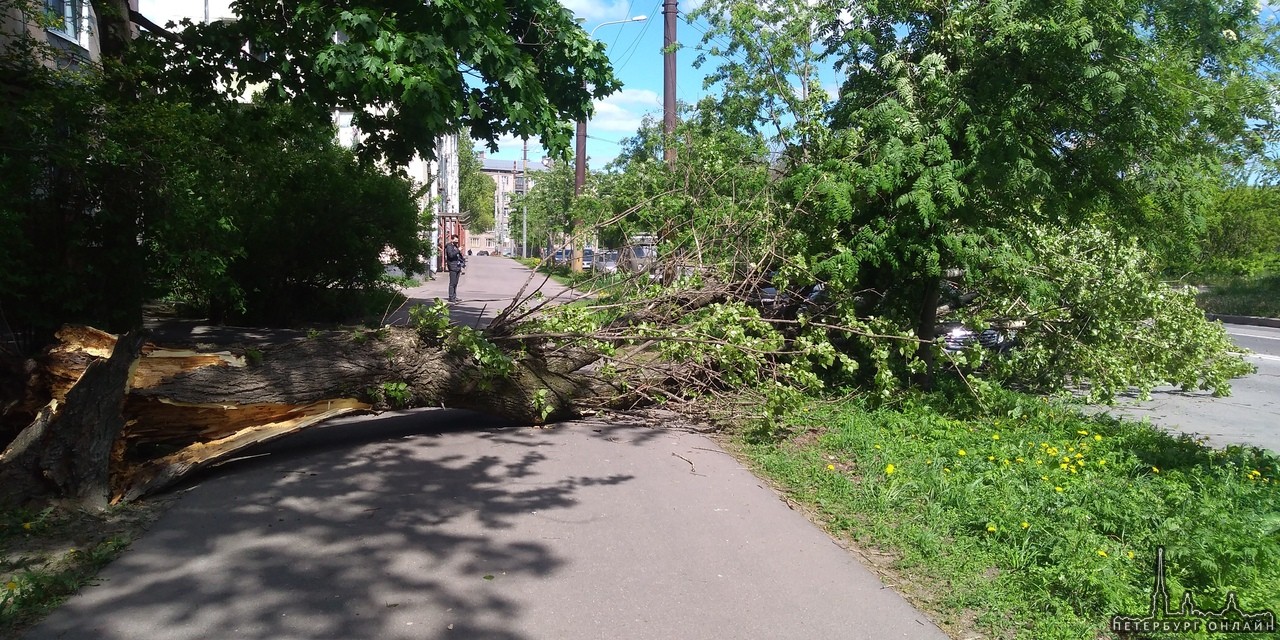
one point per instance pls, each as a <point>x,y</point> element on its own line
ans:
<point>1042,522</point>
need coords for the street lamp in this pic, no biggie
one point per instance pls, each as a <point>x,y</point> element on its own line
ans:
<point>580,159</point>
<point>580,149</point>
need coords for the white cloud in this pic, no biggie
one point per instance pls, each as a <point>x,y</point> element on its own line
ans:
<point>623,111</point>
<point>598,10</point>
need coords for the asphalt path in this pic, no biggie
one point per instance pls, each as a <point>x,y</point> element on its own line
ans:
<point>436,524</point>
<point>1249,416</point>
<point>489,285</point>
<point>439,524</point>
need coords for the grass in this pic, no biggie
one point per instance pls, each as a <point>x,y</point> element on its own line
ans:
<point>1040,522</point>
<point>1243,296</point>
<point>46,555</point>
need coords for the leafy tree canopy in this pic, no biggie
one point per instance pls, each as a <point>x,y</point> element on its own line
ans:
<point>475,190</point>
<point>408,70</point>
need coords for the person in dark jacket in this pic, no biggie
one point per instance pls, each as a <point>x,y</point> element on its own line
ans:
<point>456,262</point>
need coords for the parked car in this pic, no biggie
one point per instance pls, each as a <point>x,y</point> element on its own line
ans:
<point>559,257</point>
<point>482,252</point>
<point>588,258</point>
<point>637,258</point>
<point>606,262</point>
<point>957,337</point>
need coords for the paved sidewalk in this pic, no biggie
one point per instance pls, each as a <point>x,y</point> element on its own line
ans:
<point>489,286</point>
<point>433,524</point>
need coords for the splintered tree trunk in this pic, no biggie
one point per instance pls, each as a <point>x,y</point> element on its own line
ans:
<point>69,444</point>
<point>164,413</point>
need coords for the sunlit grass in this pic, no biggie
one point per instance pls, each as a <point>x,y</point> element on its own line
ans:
<point>1041,522</point>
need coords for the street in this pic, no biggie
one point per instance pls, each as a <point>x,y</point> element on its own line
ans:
<point>1249,416</point>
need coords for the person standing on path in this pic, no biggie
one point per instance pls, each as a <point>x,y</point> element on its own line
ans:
<point>456,262</point>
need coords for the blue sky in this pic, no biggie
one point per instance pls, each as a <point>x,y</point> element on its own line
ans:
<point>635,49</point>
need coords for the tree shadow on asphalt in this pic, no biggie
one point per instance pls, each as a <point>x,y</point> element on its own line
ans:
<point>367,529</point>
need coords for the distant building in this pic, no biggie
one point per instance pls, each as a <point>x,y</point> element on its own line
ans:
<point>509,179</point>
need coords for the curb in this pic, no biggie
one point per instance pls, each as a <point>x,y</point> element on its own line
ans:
<point>1249,320</point>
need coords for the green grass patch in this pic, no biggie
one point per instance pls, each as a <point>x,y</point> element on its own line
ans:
<point>1042,523</point>
<point>46,555</point>
<point>1243,296</point>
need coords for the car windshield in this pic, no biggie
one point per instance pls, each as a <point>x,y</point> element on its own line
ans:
<point>643,251</point>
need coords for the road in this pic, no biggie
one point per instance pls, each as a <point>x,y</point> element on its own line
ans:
<point>1249,416</point>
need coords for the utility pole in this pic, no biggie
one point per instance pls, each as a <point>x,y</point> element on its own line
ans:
<point>669,80</point>
<point>524,205</point>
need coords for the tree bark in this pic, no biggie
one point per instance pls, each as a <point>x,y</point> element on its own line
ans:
<point>179,410</point>
<point>69,446</point>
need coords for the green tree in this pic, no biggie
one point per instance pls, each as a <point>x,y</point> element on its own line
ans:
<point>408,71</point>
<point>476,190</point>
<point>960,124</point>
<point>549,204</point>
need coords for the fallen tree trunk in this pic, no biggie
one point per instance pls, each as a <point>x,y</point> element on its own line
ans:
<point>180,410</point>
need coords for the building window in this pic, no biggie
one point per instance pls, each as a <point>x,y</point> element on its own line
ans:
<point>66,18</point>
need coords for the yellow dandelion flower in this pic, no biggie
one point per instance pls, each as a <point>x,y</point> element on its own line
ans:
<point>1019,460</point>
<point>1101,553</point>
<point>1062,466</point>
<point>1025,525</point>
<point>1071,448</point>
<point>991,528</point>
<point>1006,461</point>
<point>991,458</point>
<point>1130,554</point>
<point>889,469</point>
<point>1038,461</point>
<point>11,585</point>
<point>930,461</point>
<point>946,470</point>
<point>877,446</point>
<point>1079,455</point>
<point>1102,463</point>
<point>1155,469</point>
<point>1058,489</point>
<point>1073,470</point>
<point>1097,437</point>
<point>26,526</point>
<point>960,452</point>
<point>831,467</point>
<point>1083,432</point>
<point>995,436</point>
<point>1045,478</point>
<point>1065,459</point>
<point>1053,451</point>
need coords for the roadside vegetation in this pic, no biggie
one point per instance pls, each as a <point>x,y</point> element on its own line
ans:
<point>49,553</point>
<point>1037,167</point>
<point>1024,516</point>
<point>1257,296</point>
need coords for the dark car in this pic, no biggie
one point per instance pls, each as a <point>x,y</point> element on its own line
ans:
<point>588,258</point>
<point>482,252</point>
<point>957,337</point>
<point>559,257</point>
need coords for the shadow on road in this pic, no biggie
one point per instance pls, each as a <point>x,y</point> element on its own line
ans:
<point>359,530</point>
